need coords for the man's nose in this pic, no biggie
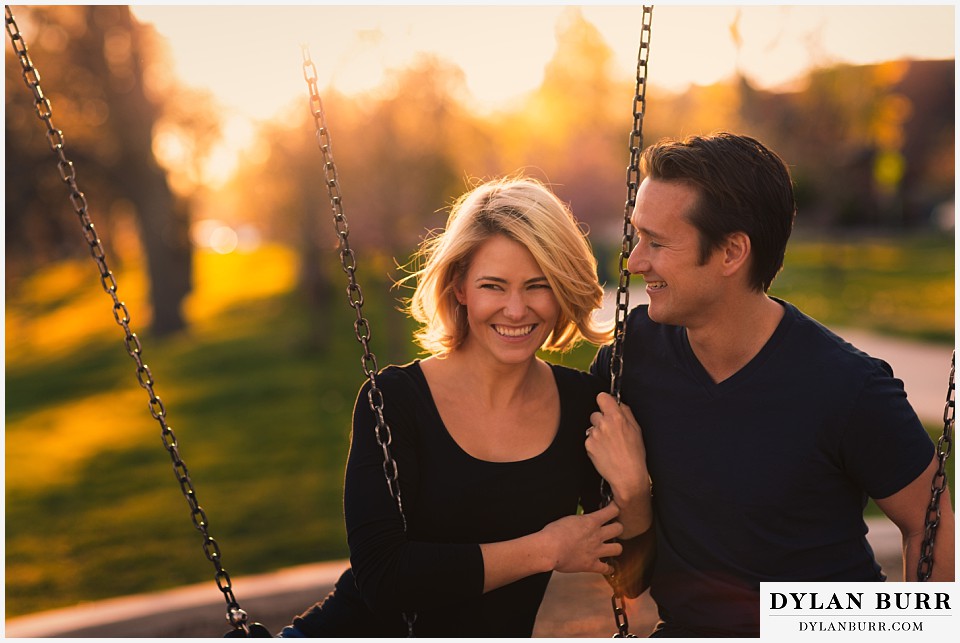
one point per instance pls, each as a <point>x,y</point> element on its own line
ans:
<point>638,262</point>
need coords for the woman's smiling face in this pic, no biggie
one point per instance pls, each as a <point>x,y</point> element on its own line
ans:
<point>511,308</point>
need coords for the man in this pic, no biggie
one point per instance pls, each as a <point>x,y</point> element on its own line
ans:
<point>764,432</point>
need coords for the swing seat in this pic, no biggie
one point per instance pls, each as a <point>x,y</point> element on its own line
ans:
<point>254,631</point>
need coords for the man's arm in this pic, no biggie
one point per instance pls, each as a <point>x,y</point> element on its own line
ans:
<point>907,508</point>
<point>636,563</point>
<point>614,444</point>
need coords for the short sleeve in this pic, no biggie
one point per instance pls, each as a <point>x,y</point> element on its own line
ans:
<point>884,445</point>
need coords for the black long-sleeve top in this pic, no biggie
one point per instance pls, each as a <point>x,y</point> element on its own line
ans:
<point>452,502</point>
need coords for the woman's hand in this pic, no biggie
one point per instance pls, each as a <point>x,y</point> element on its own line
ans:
<point>580,542</point>
<point>615,445</point>
<point>568,544</point>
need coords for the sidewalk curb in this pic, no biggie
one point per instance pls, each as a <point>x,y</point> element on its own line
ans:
<point>275,598</point>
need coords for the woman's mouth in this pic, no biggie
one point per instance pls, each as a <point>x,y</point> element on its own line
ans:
<point>514,331</point>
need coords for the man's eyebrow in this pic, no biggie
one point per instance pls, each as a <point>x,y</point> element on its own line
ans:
<point>647,232</point>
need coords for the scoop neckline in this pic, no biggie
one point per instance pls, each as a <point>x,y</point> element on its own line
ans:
<point>446,432</point>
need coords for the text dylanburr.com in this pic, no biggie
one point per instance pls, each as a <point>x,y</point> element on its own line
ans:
<point>864,611</point>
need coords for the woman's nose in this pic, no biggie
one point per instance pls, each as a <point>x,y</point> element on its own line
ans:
<point>516,305</point>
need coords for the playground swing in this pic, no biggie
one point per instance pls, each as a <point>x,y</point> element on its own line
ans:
<point>361,327</point>
<point>235,615</point>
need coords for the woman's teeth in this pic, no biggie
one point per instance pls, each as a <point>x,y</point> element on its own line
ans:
<point>510,331</point>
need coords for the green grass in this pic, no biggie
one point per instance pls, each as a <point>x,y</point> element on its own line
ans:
<point>262,416</point>
<point>901,286</point>
<point>261,406</point>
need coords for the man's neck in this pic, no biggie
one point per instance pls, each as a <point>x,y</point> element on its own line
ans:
<point>728,341</point>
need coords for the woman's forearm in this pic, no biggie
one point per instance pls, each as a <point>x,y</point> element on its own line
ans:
<point>570,544</point>
<point>509,561</point>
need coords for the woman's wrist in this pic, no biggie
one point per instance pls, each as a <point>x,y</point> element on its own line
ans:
<point>546,550</point>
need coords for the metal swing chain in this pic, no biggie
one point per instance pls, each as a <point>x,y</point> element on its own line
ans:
<point>236,616</point>
<point>354,295</point>
<point>618,602</point>
<point>633,183</point>
<point>944,446</point>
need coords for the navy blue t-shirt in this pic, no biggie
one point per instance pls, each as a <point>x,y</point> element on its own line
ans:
<point>763,476</point>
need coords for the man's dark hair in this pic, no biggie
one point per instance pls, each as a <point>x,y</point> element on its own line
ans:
<point>742,186</point>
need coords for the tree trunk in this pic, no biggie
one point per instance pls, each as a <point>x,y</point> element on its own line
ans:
<point>163,223</point>
<point>313,281</point>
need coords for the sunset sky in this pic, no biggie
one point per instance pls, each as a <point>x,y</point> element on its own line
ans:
<point>250,58</point>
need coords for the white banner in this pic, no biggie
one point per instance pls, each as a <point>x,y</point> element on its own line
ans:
<point>858,611</point>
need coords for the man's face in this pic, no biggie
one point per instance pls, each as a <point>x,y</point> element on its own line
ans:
<point>682,291</point>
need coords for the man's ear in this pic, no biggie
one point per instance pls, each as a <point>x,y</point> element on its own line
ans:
<point>736,253</point>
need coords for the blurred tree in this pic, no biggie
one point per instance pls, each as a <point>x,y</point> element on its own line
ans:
<point>868,138</point>
<point>279,189</point>
<point>869,145</point>
<point>92,61</point>
<point>402,155</point>
<point>405,149</point>
<point>395,158</point>
<point>33,186</point>
<point>574,128</point>
<point>929,135</point>
<point>394,154</point>
<point>403,152</point>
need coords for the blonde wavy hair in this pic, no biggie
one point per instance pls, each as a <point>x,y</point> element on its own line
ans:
<point>524,210</point>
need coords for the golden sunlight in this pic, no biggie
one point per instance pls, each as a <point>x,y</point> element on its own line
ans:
<point>256,72</point>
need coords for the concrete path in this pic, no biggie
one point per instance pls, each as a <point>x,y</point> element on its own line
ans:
<point>576,605</point>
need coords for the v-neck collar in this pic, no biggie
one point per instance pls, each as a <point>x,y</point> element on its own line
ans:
<point>747,371</point>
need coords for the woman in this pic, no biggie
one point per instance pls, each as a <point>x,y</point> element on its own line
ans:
<point>488,438</point>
